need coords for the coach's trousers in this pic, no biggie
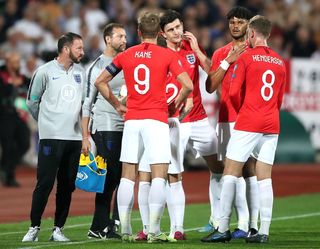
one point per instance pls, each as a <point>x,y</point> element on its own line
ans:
<point>56,159</point>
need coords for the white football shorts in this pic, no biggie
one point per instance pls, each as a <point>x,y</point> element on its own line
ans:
<point>200,136</point>
<point>176,164</point>
<point>147,136</point>
<point>261,146</point>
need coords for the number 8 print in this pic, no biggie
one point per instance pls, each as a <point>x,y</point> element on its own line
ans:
<point>267,85</point>
<point>145,82</point>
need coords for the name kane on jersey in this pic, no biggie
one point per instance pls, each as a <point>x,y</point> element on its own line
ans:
<point>140,54</point>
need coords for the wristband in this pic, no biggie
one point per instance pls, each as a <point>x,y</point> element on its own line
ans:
<point>224,65</point>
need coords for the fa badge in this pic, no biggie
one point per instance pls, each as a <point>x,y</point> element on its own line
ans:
<point>77,78</point>
<point>191,58</point>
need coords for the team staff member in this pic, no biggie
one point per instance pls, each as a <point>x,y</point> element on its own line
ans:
<point>260,73</point>
<point>145,68</point>
<point>106,129</point>
<point>219,78</point>
<point>54,100</point>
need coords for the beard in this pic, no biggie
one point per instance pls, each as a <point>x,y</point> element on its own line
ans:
<point>74,58</point>
<point>120,48</point>
<point>238,37</point>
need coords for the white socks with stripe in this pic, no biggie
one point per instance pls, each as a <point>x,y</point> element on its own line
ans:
<point>253,200</point>
<point>266,204</point>
<point>228,192</point>
<point>241,205</point>
<point>143,196</point>
<point>176,205</point>
<point>214,196</point>
<point>157,199</point>
<point>125,203</point>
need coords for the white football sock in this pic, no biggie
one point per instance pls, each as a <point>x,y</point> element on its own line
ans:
<point>125,203</point>
<point>178,202</point>
<point>266,204</point>
<point>170,210</point>
<point>214,196</point>
<point>157,199</point>
<point>228,192</point>
<point>253,200</point>
<point>143,195</point>
<point>241,205</point>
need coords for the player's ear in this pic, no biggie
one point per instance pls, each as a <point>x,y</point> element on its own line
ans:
<point>107,39</point>
<point>139,33</point>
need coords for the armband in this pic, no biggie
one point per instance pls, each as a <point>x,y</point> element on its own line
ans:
<point>224,65</point>
<point>112,69</point>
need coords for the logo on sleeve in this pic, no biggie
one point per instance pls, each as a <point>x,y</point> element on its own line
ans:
<point>77,78</point>
<point>191,58</point>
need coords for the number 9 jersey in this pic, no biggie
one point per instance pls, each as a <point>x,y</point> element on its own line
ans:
<point>145,69</point>
<point>256,90</point>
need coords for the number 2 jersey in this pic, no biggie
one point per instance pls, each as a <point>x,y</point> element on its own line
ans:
<point>260,73</point>
<point>145,67</point>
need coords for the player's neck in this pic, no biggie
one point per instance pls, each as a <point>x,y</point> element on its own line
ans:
<point>237,42</point>
<point>174,46</point>
<point>260,42</point>
<point>149,40</point>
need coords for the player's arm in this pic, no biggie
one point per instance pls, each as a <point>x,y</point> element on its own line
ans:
<point>281,93</point>
<point>237,80</point>
<point>102,84</point>
<point>216,76</point>
<point>186,108</point>
<point>186,90</point>
<point>91,93</point>
<point>35,92</point>
<point>204,60</point>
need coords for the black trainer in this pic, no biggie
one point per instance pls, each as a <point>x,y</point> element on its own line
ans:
<point>252,231</point>
<point>216,236</point>
<point>258,238</point>
<point>112,235</point>
<point>96,235</point>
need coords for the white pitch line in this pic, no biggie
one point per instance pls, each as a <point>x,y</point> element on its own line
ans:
<point>70,226</point>
<point>137,219</point>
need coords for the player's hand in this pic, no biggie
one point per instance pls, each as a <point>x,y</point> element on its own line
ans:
<point>186,108</point>
<point>121,109</point>
<point>192,39</point>
<point>86,146</point>
<point>235,52</point>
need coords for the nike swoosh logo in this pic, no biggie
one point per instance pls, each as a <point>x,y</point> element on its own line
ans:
<point>55,78</point>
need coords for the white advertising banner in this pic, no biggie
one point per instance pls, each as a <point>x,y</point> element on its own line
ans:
<point>303,98</point>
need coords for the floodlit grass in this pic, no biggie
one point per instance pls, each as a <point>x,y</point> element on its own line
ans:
<point>296,224</point>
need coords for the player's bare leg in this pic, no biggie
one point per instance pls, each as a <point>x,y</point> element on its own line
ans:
<point>249,174</point>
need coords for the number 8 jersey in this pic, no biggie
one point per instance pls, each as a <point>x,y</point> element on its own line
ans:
<point>256,90</point>
<point>145,69</point>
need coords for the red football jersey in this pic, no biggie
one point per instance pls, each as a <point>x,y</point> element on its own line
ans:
<point>173,88</point>
<point>226,112</point>
<point>191,65</point>
<point>261,74</point>
<point>145,67</point>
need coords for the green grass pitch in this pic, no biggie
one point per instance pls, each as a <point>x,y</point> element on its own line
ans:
<point>296,224</point>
